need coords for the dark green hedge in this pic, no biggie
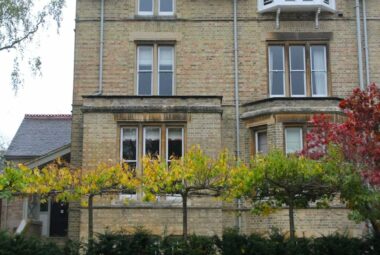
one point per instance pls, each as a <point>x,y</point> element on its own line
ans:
<point>143,243</point>
<point>20,245</point>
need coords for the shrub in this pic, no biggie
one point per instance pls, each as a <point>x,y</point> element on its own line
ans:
<point>141,242</point>
<point>20,245</point>
<point>338,245</point>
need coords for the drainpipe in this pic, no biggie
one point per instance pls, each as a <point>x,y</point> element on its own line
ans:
<point>100,86</point>
<point>368,79</point>
<point>359,42</point>
<point>237,114</point>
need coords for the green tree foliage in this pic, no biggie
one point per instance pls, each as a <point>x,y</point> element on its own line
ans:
<point>358,139</point>
<point>276,179</point>
<point>66,184</point>
<point>20,22</point>
<point>193,174</point>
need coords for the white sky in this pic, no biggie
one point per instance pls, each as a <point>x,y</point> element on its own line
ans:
<point>47,94</point>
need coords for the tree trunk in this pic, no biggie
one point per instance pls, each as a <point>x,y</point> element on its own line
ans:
<point>184,215</point>
<point>90,219</point>
<point>291,220</point>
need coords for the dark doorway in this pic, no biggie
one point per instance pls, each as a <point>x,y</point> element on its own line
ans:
<point>59,219</point>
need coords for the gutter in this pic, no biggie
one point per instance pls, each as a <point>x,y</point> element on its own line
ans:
<point>100,86</point>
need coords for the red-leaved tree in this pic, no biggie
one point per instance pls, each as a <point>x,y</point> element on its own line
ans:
<point>358,139</point>
<point>358,136</point>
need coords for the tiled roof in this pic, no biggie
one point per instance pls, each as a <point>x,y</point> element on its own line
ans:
<point>39,134</point>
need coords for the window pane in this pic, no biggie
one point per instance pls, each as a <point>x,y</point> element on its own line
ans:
<point>293,139</point>
<point>166,5</point>
<point>145,83</point>
<point>276,58</point>
<point>261,143</point>
<point>152,141</point>
<point>175,143</point>
<point>276,80</point>
<point>145,58</point>
<point>145,5</point>
<point>298,83</point>
<point>129,144</point>
<point>319,82</point>
<point>318,61</point>
<point>165,58</point>
<point>297,58</point>
<point>166,84</point>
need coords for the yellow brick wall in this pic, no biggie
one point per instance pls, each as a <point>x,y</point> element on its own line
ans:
<point>203,66</point>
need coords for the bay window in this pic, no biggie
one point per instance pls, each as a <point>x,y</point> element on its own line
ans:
<point>297,70</point>
<point>293,139</point>
<point>174,143</point>
<point>165,141</point>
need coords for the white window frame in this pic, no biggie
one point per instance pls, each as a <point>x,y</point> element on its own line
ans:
<point>137,145</point>
<point>144,71</point>
<point>167,142</point>
<point>270,71</point>
<point>311,70</point>
<point>160,13</point>
<point>257,140</point>
<point>159,71</point>
<point>286,138</point>
<point>144,13</point>
<point>304,70</point>
<point>159,140</point>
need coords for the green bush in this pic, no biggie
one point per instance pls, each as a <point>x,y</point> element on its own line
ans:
<point>141,242</point>
<point>20,245</point>
<point>195,245</point>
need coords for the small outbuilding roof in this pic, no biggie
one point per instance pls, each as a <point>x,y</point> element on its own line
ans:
<point>39,134</point>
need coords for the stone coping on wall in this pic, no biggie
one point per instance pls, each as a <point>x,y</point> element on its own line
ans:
<point>271,106</point>
<point>153,104</point>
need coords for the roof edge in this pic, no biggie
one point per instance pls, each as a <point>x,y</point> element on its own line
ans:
<point>48,116</point>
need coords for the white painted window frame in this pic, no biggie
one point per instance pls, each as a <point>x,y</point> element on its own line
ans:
<point>160,13</point>
<point>312,70</point>
<point>286,138</point>
<point>137,145</point>
<point>167,142</point>
<point>144,71</point>
<point>144,138</point>
<point>165,71</point>
<point>144,13</point>
<point>291,70</point>
<point>270,71</point>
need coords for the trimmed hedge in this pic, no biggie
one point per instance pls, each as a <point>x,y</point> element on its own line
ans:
<point>142,242</point>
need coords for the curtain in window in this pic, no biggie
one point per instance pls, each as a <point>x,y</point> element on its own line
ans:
<point>319,70</point>
<point>152,141</point>
<point>174,143</point>
<point>293,139</point>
